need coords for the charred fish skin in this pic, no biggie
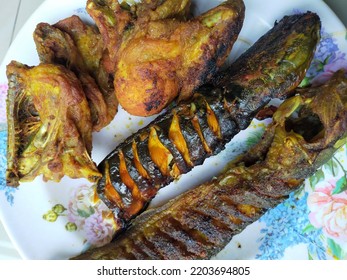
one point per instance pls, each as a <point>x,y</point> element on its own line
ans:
<point>275,63</point>
<point>199,223</point>
<point>185,136</point>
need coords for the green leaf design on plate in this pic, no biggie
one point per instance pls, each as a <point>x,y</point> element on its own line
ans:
<point>305,82</point>
<point>336,249</point>
<point>341,186</point>
<point>316,178</point>
<point>332,166</point>
<point>308,228</point>
<point>85,213</point>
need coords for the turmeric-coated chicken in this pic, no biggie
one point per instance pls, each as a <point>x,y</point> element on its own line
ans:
<point>78,46</point>
<point>90,45</point>
<point>49,125</point>
<point>161,60</point>
<point>113,19</point>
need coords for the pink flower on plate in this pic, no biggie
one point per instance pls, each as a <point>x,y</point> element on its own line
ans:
<point>98,229</point>
<point>80,205</point>
<point>92,217</point>
<point>329,211</point>
<point>3,94</point>
<point>329,70</point>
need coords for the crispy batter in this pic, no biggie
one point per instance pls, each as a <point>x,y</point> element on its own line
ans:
<point>159,60</point>
<point>49,125</point>
<point>159,9</point>
<point>89,43</point>
<point>112,20</point>
<point>86,38</point>
<point>81,53</point>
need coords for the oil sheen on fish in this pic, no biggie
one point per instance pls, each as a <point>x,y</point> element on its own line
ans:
<point>186,135</point>
<point>306,130</point>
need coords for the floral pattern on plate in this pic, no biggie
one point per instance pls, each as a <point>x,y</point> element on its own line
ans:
<point>327,60</point>
<point>316,215</point>
<point>91,216</point>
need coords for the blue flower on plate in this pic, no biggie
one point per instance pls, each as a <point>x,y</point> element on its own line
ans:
<point>327,60</point>
<point>285,227</point>
<point>8,191</point>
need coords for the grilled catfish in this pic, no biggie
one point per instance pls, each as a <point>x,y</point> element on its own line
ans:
<point>186,135</point>
<point>306,130</point>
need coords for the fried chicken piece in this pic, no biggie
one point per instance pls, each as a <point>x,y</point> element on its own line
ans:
<point>90,45</point>
<point>113,19</point>
<point>161,60</point>
<point>86,38</point>
<point>159,9</point>
<point>49,125</point>
<point>76,45</point>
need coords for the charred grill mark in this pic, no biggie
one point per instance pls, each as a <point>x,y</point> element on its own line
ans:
<point>163,243</point>
<point>147,248</point>
<point>217,216</point>
<point>160,153</point>
<point>135,249</point>
<point>207,224</point>
<point>181,237</point>
<point>198,225</point>
<point>151,247</point>
<point>176,249</point>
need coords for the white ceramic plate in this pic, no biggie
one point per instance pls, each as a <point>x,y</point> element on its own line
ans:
<point>29,211</point>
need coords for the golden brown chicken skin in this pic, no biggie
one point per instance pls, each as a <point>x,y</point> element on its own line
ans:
<point>78,47</point>
<point>165,59</point>
<point>49,125</point>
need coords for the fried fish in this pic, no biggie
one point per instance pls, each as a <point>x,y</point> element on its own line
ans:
<point>199,223</point>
